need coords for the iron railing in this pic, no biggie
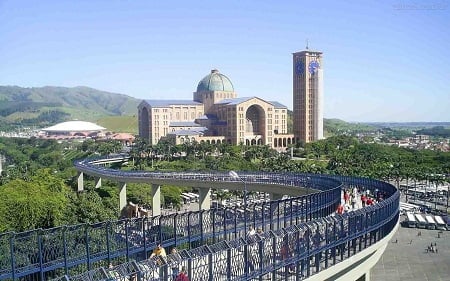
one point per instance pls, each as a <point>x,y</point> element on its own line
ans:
<point>213,240</point>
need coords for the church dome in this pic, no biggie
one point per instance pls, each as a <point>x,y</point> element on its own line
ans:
<point>215,81</point>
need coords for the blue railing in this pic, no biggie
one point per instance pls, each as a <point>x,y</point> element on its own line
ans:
<point>209,235</point>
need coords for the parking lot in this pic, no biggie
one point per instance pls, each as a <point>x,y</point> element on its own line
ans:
<point>407,256</point>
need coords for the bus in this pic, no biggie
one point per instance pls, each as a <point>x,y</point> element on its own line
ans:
<point>421,222</point>
<point>431,224</point>
<point>440,224</point>
<point>407,207</point>
<point>417,193</point>
<point>410,220</point>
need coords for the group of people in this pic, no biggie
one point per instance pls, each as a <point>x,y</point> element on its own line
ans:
<point>352,196</point>
<point>177,274</point>
<point>432,248</point>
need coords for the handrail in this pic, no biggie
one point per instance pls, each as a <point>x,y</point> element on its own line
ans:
<point>132,238</point>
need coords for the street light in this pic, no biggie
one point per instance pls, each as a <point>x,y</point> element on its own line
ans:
<point>235,175</point>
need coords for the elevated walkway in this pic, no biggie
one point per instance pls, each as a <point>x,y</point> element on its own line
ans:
<point>303,237</point>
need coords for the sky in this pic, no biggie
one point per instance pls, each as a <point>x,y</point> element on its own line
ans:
<point>383,61</point>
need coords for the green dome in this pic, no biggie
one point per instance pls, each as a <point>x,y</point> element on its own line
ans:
<point>215,82</point>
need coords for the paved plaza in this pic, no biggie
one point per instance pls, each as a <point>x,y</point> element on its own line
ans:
<point>406,257</point>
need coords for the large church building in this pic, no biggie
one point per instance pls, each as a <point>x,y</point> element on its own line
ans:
<point>217,115</point>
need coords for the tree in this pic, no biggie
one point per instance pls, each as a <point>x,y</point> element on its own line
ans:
<point>89,207</point>
<point>40,203</point>
<point>136,152</point>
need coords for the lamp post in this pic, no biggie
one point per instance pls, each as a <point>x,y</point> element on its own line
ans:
<point>235,175</point>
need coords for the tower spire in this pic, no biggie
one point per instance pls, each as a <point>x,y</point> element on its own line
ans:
<point>307,44</point>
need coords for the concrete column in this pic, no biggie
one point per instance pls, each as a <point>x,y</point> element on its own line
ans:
<point>98,182</point>
<point>367,276</point>
<point>204,202</point>
<point>80,181</point>
<point>275,196</point>
<point>156,199</point>
<point>122,195</point>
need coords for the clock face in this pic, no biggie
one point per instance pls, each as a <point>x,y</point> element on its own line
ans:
<point>313,66</point>
<point>299,68</point>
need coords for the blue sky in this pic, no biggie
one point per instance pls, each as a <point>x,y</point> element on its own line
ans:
<point>383,60</point>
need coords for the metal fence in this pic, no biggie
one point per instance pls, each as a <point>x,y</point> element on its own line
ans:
<point>211,241</point>
<point>292,253</point>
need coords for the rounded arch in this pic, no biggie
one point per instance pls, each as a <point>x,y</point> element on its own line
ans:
<point>144,124</point>
<point>255,120</point>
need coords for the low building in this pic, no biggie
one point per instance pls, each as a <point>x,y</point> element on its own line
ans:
<point>72,130</point>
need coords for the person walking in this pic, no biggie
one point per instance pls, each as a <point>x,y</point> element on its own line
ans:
<point>353,202</point>
<point>159,251</point>
<point>175,267</point>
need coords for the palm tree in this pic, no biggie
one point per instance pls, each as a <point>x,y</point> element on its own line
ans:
<point>137,150</point>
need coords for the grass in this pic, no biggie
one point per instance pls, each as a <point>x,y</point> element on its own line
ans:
<point>120,124</point>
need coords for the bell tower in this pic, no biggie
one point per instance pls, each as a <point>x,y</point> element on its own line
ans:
<point>308,95</point>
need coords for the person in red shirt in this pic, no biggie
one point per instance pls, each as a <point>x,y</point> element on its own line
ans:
<point>346,197</point>
<point>182,276</point>
<point>340,209</point>
<point>363,200</point>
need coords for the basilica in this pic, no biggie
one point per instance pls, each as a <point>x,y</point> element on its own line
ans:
<point>215,115</point>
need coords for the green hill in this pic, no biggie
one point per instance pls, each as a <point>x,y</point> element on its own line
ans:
<point>49,105</point>
<point>45,106</point>
<point>120,124</point>
<point>336,126</point>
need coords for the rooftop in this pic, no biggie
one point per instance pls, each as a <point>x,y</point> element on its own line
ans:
<point>74,126</point>
<point>167,103</point>
<point>184,124</point>
<point>215,81</point>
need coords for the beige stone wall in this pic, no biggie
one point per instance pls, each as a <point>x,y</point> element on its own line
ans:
<point>267,123</point>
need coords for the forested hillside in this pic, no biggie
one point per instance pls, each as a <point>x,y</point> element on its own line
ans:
<point>48,105</point>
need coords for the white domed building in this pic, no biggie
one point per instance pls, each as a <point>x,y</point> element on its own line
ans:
<point>215,115</point>
<point>73,130</point>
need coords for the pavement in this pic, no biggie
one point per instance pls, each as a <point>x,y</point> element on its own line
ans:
<point>406,257</point>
